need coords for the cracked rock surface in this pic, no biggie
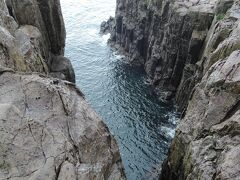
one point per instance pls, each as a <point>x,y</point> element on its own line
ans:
<point>47,129</point>
<point>49,132</point>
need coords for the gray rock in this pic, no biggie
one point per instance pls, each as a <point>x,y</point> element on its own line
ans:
<point>49,43</point>
<point>165,37</point>
<point>207,140</point>
<point>47,17</point>
<point>61,67</point>
<point>47,129</point>
<point>49,132</point>
<point>107,26</point>
<point>67,172</point>
<point>190,51</point>
<point>208,137</point>
<point>21,47</point>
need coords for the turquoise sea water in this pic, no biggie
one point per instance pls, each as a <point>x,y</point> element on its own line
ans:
<point>119,92</point>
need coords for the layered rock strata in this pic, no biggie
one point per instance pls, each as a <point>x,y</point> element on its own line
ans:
<point>47,129</point>
<point>190,49</point>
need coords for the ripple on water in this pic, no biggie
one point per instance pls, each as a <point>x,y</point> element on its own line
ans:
<point>120,93</point>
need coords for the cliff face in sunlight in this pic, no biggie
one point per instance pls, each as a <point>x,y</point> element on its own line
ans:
<point>190,49</point>
<point>47,129</point>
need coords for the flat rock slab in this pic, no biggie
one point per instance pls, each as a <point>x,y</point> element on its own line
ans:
<point>48,131</point>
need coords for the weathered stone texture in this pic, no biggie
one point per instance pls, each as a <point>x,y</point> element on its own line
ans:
<point>47,17</point>
<point>49,132</point>
<point>47,129</point>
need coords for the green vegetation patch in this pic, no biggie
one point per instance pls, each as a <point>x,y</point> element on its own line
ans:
<point>220,16</point>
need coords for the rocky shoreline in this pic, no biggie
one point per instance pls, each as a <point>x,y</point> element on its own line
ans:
<point>47,129</point>
<point>190,49</point>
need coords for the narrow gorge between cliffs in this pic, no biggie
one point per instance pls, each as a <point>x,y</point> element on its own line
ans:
<point>119,92</point>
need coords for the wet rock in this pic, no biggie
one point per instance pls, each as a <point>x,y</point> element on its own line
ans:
<point>107,26</point>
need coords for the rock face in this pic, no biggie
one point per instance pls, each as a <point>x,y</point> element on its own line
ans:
<point>49,132</point>
<point>47,129</point>
<point>61,67</point>
<point>46,18</point>
<point>166,37</point>
<point>107,27</point>
<point>191,51</point>
<point>20,45</point>
<point>206,144</point>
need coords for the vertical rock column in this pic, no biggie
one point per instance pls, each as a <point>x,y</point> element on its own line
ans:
<point>166,37</point>
<point>206,144</point>
<point>47,17</point>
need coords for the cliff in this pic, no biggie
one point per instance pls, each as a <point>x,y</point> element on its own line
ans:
<point>167,38</point>
<point>47,129</point>
<point>190,49</point>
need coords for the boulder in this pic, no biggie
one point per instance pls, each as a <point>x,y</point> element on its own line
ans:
<point>61,67</point>
<point>107,26</point>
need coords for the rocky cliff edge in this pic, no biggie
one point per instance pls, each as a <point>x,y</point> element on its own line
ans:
<point>47,129</point>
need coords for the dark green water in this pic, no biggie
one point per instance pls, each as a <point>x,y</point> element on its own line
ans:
<point>120,93</point>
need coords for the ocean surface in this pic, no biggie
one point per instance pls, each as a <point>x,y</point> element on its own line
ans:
<point>119,92</point>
